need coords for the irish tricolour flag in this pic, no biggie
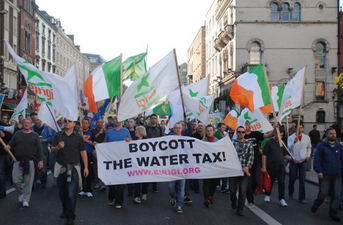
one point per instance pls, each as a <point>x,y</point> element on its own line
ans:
<point>103,83</point>
<point>251,90</point>
<point>231,119</point>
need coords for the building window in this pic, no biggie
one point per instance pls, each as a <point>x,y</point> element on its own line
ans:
<point>320,90</point>
<point>49,51</point>
<point>53,54</point>
<point>320,55</point>
<point>320,117</point>
<point>15,25</point>
<point>275,12</point>
<point>28,5</point>
<point>43,45</point>
<point>255,53</point>
<point>286,14</point>
<point>27,42</point>
<point>37,42</point>
<point>296,12</point>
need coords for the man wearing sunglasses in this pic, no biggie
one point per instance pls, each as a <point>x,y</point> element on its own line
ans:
<point>245,152</point>
<point>68,144</point>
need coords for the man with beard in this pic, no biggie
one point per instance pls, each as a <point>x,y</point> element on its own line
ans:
<point>328,166</point>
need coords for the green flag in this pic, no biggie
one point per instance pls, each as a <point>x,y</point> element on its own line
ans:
<point>134,67</point>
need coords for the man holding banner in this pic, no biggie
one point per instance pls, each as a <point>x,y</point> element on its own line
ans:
<point>177,199</point>
<point>118,133</point>
<point>245,152</point>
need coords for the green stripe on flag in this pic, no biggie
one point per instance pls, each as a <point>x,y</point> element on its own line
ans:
<point>280,90</point>
<point>112,75</point>
<point>261,80</point>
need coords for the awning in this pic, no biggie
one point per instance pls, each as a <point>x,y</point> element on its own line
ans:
<point>10,106</point>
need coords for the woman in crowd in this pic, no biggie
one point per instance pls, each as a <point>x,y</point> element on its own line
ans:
<point>209,185</point>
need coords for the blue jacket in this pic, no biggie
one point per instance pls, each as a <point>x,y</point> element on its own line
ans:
<point>46,134</point>
<point>328,160</point>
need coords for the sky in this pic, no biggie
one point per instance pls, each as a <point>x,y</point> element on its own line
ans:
<point>111,27</point>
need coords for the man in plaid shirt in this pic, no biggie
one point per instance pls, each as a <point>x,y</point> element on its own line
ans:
<point>245,152</point>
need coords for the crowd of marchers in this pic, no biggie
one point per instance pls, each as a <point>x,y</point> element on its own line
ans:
<point>69,152</point>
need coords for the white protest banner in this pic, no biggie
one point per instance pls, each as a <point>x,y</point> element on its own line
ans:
<point>166,159</point>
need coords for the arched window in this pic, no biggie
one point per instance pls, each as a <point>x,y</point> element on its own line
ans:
<point>320,117</point>
<point>255,53</point>
<point>286,14</point>
<point>297,12</point>
<point>275,12</point>
<point>320,90</point>
<point>320,55</point>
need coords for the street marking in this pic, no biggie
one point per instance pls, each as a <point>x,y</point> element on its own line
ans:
<point>264,216</point>
<point>13,189</point>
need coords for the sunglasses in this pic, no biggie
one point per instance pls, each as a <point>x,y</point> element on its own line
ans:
<point>240,132</point>
<point>65,120</point>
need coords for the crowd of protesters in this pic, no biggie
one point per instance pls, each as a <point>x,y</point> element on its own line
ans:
<point>71,156</point>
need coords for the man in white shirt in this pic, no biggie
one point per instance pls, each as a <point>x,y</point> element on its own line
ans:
<point>300,147</point>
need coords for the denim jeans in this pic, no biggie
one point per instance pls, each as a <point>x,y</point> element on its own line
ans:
<point>242,182</point>
<point>68,192</point>
<point>293,172</point>
<point>279,173</point>
<point>330,184</point>
<point>140,188</point>
<point>180,185</point>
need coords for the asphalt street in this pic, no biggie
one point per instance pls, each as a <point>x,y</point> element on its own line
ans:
<point>45,208</point>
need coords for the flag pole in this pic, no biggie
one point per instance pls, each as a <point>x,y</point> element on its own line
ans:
<point>78,93</point>
<point>302,100</point>
<point>178,78</point>
<point>53,117</point>
<point>271,102</point>
<point>9,151</point>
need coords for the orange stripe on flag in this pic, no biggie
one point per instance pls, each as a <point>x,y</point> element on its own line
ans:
<point>267,109</point>
<point>230,121</point>
<point>242,96</point>
<point>88,92</point>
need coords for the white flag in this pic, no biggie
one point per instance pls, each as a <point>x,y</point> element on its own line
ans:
<point>45,115</point>
<point>196,89</point>
<point>257,120</point>
<point>159,81</point>
<point>199,106</point>
<point>292,94</point>
<point>21,108</point>
<point>50,88</point>
<point>70,78</point>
